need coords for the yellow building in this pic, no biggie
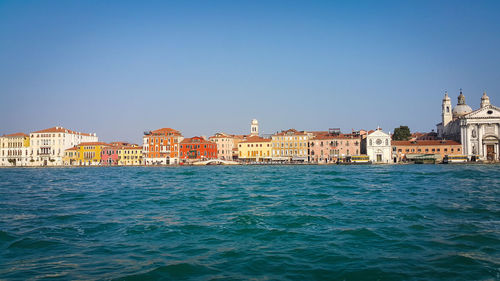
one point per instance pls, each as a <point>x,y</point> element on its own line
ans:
<point>84,154</point>
<point>255,149</point>
<point>71,156</point>
<point>130,155</point>
<point>290,145</point>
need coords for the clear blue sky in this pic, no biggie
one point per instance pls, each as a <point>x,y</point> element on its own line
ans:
<point>119,67</point>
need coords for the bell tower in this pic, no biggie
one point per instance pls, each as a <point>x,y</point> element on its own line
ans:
<point>254,128</point>
<point>446,113</point>
<point>485,100</point>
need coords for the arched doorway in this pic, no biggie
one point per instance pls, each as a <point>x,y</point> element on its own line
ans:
<point>490,144</point>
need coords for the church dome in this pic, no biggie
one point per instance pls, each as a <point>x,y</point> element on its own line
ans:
<point>462,108</point>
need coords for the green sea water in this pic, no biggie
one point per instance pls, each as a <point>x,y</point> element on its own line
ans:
<point>404,222</point>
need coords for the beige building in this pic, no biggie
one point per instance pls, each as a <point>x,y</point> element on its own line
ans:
<point>225,144</point>
<point>290,145</point>
<point>14,150</point>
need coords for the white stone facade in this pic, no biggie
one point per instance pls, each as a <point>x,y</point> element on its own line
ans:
<point>378,147</point>
<point>477,130</point>
<point>47,146</point>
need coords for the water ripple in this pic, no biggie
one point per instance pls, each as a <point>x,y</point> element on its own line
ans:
<point>408,222</point>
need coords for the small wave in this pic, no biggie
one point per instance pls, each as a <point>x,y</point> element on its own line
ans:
<point>458,260</point>
<point>6,237</point>
<point>29,243</point>
<point>327,173</point>
<point>141,229</point>
<point>173,271</point>
<point>418,227</point>
<point>477,238</point>
<point>361,233</point>
<point>245,220</point>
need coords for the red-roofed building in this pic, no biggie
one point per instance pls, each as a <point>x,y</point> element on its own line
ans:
<point>197,148</point>
<point>110,154</point>
<point>14,149</point>
<point>330,148</point>
<point>87,154</point>
<point>225,144</point>
<point>130,155</point>
<point>255,148</point>
<point>401,150</point>
<point>290,145</point>
<point>48,145</point>
<point>161,147</point>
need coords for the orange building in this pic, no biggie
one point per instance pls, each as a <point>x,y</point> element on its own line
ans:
<point>197,148</point>
<point>440,148</point>
<point>161,147</point>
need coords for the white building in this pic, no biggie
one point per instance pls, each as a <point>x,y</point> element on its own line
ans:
<point>378,147</point>
<point>48,146</point>
<point>14,149</point>
<point>477,130</point>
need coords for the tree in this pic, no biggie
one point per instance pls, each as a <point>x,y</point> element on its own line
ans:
<point>401,133</point>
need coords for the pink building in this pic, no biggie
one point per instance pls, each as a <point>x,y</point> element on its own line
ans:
<point>329,148</point>
<point>109,155</point>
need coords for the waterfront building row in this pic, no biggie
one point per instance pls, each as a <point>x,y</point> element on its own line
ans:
<point>167,146</point>
<point>40,148</point>
<point>103,154</point>
<point>474,134</point>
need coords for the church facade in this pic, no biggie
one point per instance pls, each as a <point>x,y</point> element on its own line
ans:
<point>477,130</point>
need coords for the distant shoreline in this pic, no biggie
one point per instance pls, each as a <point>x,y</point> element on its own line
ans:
<point>305,164</point>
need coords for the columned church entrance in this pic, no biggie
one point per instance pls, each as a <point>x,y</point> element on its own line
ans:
<point>490,146</point>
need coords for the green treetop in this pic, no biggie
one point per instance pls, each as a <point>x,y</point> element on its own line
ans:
<point>401,133</point>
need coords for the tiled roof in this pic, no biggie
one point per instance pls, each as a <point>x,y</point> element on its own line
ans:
<point>132,147</point>
<point>60,130</point>
<point>255,139</point>
<point>93,143</point>
<point>341,136</point>
<point>292,131</point>
<point>119,143</point>
<point>221,135</point>
<point>424,143</point>
<point>73,148</point>
<point>319,133</point>
<point>16,135</point>
<point>166,130</point>
<point>200,140</point>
